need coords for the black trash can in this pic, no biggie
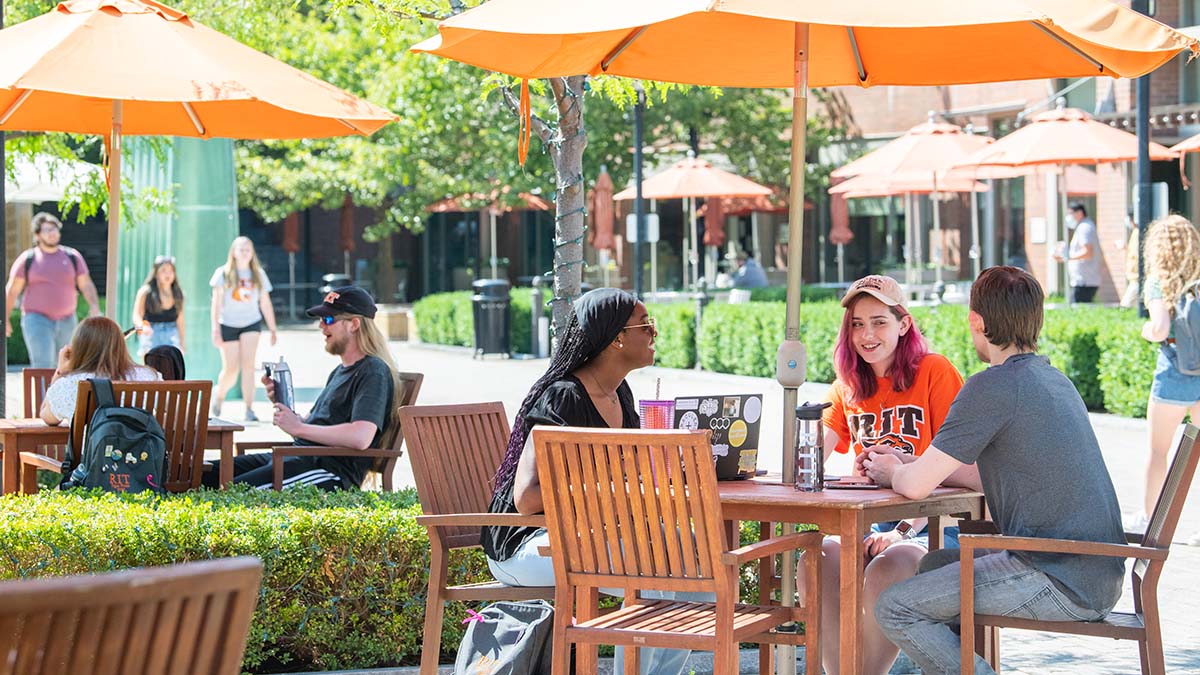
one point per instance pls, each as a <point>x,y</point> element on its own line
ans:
<point>491,312</point>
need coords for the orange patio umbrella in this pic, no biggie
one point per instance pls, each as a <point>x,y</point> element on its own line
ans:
<point>1183,147</point>
<point>1060,138</point>
<point>603,212</point>
<point>784,43</point>
<point>122,67</point>
<point>689,179</point>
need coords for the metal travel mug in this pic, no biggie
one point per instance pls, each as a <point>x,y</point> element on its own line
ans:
<point>281,375</point>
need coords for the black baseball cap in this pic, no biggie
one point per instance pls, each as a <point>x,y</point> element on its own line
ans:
<point>345,300</point>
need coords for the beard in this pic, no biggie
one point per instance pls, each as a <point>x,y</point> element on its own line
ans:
<point>336,346</point>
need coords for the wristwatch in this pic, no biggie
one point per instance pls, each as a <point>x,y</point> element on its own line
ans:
<point>906,530</point>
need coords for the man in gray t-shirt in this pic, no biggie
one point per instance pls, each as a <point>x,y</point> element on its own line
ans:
<point>1025,426</point>
<point>1083,257</point>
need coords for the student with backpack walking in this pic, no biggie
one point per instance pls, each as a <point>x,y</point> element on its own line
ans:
<point>1172,265</point>
<point>50,276</point>
<point>97,350</point>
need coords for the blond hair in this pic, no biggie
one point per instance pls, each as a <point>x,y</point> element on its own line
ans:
<point>231,273</point>
<point>372,342</point>
<point>1172,254</point>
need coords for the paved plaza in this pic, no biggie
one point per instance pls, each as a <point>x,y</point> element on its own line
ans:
<point>452,376</point>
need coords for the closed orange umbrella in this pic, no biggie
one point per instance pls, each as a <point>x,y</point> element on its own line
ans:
<point>118,67</point>
<point>714,222</point>
<point>291,233</point>
<point>602,212</point>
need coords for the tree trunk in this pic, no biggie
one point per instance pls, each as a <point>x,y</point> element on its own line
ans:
<point>567,147</point>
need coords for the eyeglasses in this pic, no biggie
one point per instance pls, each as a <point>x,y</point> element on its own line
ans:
<point>164,259</point>
<point>650,327</point>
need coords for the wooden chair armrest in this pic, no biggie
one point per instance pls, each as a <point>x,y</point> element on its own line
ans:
<point>977,527</point>
<point>481,519</point>
<point>241,447</point>
<point>1000,542</point>
<point>35,461</point>
<point>324,451</point>
<point>762,549</point>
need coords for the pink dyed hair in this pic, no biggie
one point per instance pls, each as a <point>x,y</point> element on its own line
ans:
<point>857,373</point>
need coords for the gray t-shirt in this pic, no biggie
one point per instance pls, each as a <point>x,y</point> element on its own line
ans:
<point>1084,272</point>
<point>239,306</point>
<point>1026,427</point>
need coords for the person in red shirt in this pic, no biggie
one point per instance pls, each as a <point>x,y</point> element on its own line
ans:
<point>891,395</point>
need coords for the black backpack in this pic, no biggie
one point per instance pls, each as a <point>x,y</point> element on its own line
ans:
<point>1184,352</point>
<point>72,255</point>
<point>124,449</point>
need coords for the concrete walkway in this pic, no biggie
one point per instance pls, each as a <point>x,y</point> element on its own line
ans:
<point>452,376</point>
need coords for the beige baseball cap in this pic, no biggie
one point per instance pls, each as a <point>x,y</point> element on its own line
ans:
<point>884,289</point>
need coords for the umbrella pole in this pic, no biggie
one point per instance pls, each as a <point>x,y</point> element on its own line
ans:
<point>754,242</point>
<point>492,241</point>
<point>908,239</point>
<point>935,246</point>
<point>292,285</point>
<point>114,212</point>
<point>695,243</point>
<point>1062,224</point>
<point>791,361</point>
<point>976,247</point>
<point>654,267</point>
<point>687,247</point>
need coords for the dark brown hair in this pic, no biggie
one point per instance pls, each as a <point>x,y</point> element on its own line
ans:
<point>1010,301</point>
<point>99,347</point>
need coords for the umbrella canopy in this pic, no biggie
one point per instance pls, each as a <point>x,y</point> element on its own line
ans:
<point>529,202</point>
<point>694,177</point>
<point>932,146</point>
<point>870,185</point>
<point>784,43</point>
<point>115,67</point>
<point>1063,136</point>
<point>1187,145</point>
<point>602,212</point>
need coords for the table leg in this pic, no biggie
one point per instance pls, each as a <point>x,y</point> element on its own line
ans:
<point>12,463</point>
<point>852,528</point>
<point>935,533</point>
<point>226,474</point>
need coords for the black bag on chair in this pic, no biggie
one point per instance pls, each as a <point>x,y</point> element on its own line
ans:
<point>508,638</point>
<point>124,449</point>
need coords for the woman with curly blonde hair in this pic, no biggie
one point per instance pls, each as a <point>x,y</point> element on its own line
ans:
<point>1172,265</point>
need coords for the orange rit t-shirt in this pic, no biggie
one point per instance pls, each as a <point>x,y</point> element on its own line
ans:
<point>907,420</point>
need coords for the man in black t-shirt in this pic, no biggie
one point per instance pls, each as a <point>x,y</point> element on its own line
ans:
<point>353,411</point>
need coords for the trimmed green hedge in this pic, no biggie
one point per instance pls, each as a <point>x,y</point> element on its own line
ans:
<point>344,573</point>
<point>448,319</point>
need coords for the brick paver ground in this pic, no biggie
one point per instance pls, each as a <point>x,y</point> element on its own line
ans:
<point>451,376</point>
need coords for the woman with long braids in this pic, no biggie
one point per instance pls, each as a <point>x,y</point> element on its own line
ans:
<point>608,335</point>
<point>1172,256</point>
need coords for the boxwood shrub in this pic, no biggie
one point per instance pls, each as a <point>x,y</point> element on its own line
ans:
<point>345,573</point>
<point>448,319</point>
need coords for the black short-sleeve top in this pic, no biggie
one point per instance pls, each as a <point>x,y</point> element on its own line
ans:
<point>565,403</point>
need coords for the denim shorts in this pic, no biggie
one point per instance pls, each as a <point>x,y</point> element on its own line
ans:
<point>1173,387</point>
<point>161,334</point>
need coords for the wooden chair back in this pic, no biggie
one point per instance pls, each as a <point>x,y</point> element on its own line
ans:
<point>1161,529</point>
<point>190,618</point>
<point>632,508</point>
<point>180,407</point>
<point>393,437</point>
<point>34,382</point>
<point>455,451</point>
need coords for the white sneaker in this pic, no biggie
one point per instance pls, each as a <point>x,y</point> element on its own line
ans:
<point>1137,523</point>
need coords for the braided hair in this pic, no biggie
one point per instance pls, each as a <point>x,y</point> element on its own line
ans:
<point>596,319</point>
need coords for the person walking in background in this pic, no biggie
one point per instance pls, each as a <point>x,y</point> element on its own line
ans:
<point>241,301</point>
<point>158,308</point>
<point>1172,264</point>
<point>1083,257</point>
<point>97,350</point>
<point>50,276</point>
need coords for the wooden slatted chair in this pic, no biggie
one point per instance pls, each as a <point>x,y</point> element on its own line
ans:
<point>181,408</point>
<point>455,451</point>
<point>34,382</point>
<point>639,510</point>
<point>385,457</point>
<point>1148,550</point>
<point>191,618</point>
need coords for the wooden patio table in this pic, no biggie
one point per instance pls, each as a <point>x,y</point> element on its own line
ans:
<point>27,434</point>
<point>849,515</point>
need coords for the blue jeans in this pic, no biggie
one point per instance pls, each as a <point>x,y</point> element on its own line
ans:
<point>161,334</point>
<point>916,614</point>
<point>44,337</point>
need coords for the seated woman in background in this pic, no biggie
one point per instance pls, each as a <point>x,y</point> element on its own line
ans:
<point>97,350</point>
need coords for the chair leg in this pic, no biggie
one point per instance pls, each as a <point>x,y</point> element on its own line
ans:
<point>633,660</point>
<point>587,655</point>
<point>29,484</point>
<point>1154,649</point>
<point>1144,656</point>
<point>431,644</point>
